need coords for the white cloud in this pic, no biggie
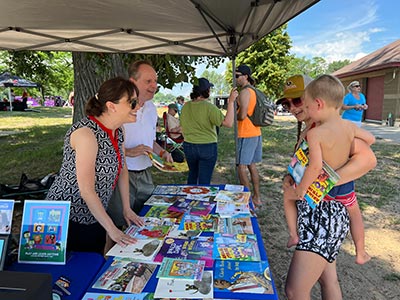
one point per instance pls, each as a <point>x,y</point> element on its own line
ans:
<point>343,34</point>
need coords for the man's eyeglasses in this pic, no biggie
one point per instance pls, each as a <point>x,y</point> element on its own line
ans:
<point>357,86</point>
<point>288,103</point>
<point>238,75</point>
<point>133,102</point>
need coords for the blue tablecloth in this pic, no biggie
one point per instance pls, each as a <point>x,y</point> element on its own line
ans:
<point>152,283</point>
<point>80,269</point>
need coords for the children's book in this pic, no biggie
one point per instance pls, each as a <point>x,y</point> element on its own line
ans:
<point>165,166</point>
<point>198,248</point>
<point>187,289</point>
<point>44,231</point>
<point>234,187</point>
<point>6,215</point>
<point>162,200</point>
<point>242,277</point>
<point>152,228</point>
<point>164,189</point>
<point>161,212</point>
<point>125,275</point>
<point>235,225</point>
<point>201,208</point>
<point>142,250</point>
<point>183,234</point>
<point>322,185</point>
<point>181,205</point>
<point>202,223</point>
<point>172,268</point>
<point>236,247</point>
<point>118,296</point>
<point>204,193</point>
<point>232,209</point>
<point>233,197</point>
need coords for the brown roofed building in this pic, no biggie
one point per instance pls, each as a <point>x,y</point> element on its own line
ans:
<point>379,75</point>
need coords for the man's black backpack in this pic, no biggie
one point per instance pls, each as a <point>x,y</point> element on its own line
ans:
<point>264,112</point>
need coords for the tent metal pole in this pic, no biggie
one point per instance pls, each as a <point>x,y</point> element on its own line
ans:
<point>233,58</point>
<point>9,98</point>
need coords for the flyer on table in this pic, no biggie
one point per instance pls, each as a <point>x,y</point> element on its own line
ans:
<point>44,231</point>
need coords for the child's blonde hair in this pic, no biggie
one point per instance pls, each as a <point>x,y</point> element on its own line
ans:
<point>328,88</point>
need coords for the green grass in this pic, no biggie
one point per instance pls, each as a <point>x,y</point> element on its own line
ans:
<point>35,140</point>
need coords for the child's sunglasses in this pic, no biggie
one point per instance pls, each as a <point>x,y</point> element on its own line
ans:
<point>288,103</point>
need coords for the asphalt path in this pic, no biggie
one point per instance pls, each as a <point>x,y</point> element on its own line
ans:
<point>383,132</point>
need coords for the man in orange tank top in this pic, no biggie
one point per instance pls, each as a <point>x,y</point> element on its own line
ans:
<point>249,151</point>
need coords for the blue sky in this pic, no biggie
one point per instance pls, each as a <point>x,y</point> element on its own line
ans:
<point>337,30</point>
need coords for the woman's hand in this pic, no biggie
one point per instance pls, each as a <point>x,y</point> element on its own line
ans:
<point>287,181</point>
<point>121,238</point>
<point>131,217</point>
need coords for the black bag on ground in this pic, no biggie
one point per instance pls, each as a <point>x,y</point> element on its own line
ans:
<point>264,112</point>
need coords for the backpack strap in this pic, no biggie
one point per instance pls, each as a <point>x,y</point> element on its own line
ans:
<point>254,89</point>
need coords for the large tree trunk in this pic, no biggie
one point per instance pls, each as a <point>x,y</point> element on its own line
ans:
<point>90,71</point>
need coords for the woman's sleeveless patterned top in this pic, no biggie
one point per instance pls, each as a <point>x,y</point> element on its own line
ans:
<point>65,186</point>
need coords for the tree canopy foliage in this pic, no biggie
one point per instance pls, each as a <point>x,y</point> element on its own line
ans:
<point>269,60</point>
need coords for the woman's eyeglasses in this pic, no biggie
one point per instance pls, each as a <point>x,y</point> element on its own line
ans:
<point>133,102</point>
<point>357,86</point>
<point>288,103</point>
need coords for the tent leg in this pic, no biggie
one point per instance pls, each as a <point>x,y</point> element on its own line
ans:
<point>9,98</point>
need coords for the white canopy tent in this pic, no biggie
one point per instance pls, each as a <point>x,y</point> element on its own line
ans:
<point>182,27</point>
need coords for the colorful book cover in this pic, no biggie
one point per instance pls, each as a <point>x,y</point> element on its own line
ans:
<point>164,189</point>
<point>194,190</point>
<point>181,205</point>
<point>202,223</point>
<point>163,212</point>
<point>162,200</point>
<point>201,208</point>
<point>235,225</point>
<point>234,187</point>
<point>232,209</point>
<point>242,277</point>
<point>6,215</point>
<point>118,296</point>
<point>181,269</point>
<point>236,247</point>
<point>152,228</point>
<point>199,248</point>
<point>234,197</point>
<point>186,289</point>
<point>142,250</point>
<point>322,185</point>
<point>183,234</point>
<point>44,231</point>
<point>125,275</point>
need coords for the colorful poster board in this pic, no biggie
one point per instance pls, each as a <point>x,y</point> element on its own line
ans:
<point>44,231</point>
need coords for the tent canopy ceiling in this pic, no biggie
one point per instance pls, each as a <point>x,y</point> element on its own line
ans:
<point>182,27</point>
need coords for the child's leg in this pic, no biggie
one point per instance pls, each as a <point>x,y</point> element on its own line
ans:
<point>290,208</point>
<point>357,233</point>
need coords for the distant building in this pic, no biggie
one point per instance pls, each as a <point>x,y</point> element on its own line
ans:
<point>379,75</point>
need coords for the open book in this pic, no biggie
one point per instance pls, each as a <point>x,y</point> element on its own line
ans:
<point>322,185</point>
<point>165,166</point>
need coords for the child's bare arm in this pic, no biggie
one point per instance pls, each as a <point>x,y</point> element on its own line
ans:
<point>363,134</point>
<point>314,167</point>
<point>362,160</point>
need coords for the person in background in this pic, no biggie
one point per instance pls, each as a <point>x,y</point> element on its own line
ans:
<point>199,120</point>
<point>94,164</point>
<point>354,103</point>
<point>174,126</point>
<point>71,98</point>
<point>140,141</point>
<point>180,101</point>
<point>361,161</point>
<point>25,96</point>
<point>249,135</point>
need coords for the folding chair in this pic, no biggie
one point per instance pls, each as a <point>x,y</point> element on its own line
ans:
<point>171,144</point>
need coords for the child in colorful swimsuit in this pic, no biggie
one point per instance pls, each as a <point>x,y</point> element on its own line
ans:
<point>330,141</point>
